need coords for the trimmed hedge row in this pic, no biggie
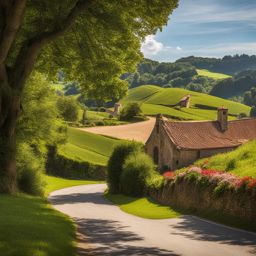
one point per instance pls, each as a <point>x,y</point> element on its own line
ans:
<point>61,166</point>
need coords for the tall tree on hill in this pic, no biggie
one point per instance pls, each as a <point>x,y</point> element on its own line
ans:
<point>85,38</point>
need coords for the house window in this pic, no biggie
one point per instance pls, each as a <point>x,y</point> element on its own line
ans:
<point>156,155</point>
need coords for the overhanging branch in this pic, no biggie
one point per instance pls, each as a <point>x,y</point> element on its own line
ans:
<point>30,50</point>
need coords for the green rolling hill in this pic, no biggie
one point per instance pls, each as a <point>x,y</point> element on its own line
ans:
<point>155,100</point>
<point>88,147</point>
<point>241,161</point>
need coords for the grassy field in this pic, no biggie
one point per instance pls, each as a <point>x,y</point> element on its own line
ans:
<point>217,76</point>
<point>88,147</point>
<point>142,207</point>
<point>241,161</point>
<point>156,100</point>
<point>30,226</point>
<point>55,183</point>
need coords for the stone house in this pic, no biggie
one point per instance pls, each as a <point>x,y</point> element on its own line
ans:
<point>175,145</point>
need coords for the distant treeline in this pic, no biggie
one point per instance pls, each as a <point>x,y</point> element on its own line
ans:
<point>235,86</point>
<point>228,64</point>
<point>183,75</point>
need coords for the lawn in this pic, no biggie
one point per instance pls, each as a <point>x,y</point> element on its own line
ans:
<point>205,72</point>
<point>29,226</point>
<point>142,207</point>
<point>88,147</point>
<point>155,100</point>
<point>241,161</point>
<point>55,183</point>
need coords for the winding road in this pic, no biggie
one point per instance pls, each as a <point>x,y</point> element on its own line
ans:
<point>105,230</point>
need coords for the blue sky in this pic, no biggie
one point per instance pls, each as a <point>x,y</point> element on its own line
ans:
<point>208,28</point>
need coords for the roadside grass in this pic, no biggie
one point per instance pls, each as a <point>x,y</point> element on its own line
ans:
<point>241,161</point>
<point>142,207</point>
<point>30,226</point>
<point>214,75</point>
<point>88,147</point>
<point>155,100</point>
<point>56,183</point>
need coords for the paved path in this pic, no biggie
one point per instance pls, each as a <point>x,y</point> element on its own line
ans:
<point>105,230</point>
<point>136,131</point>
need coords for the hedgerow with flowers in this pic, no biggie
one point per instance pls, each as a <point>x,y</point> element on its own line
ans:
<point>221,181</point>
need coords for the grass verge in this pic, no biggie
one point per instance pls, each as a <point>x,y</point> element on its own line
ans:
<point>30,226</point>
<point>56,183</point>
<point>142,207</point>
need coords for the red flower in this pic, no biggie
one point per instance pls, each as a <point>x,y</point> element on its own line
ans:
<point>168,174</point>
<point>252,184</point>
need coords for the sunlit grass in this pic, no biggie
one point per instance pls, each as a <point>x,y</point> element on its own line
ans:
<point>88,147</point>
<point>214,75</point>
<point>142,207</point>
<point>56,183</point>
<point>155,100</point>
<point>241,161</point>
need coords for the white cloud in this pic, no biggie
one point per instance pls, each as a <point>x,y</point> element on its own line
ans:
<point>178,48</point>
<point>151,46</point>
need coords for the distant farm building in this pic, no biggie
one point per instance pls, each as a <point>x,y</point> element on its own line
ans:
<point>175,145</point>
<point>185,102</point>
<point>116,111</point>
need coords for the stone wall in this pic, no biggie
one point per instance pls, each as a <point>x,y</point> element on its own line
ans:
<point>187,195</point>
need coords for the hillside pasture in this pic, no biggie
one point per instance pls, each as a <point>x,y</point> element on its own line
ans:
<point>88,147</point>
<point>207,73</point>
<point>241,161</point>
<point>163,100</point>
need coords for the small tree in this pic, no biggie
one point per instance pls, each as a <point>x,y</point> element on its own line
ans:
<point>253,112</point>
<point>68,108</point>
<point>130,111</point>
<point>116,161</point>
<point>136,170</point>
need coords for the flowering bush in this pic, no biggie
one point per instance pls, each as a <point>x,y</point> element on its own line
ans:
<point>221,180</point>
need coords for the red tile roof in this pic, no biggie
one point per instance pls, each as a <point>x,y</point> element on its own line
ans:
<point>207,135</point>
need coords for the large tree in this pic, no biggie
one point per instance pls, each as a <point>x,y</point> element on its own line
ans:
<point>90,40</point>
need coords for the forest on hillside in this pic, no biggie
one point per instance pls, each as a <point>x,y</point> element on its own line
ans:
<point>184,74</point>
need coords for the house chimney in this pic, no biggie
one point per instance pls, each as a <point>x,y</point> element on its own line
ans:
<point>159,119</point>
<point>223,118</point>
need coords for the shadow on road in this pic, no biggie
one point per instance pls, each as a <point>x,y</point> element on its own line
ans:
<point>202,230</point>
<point>75,198</point>
<point>112,239</point>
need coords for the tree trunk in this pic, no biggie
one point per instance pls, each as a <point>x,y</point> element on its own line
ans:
<point>9,112</point>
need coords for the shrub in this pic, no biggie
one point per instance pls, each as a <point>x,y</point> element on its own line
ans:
<point>130,111</point>
<point>253,112</point>
<point>99,123</point>
<point>68,108</point>
<point>29,169</point>
<point>116,161</point>
<point>137,169</point>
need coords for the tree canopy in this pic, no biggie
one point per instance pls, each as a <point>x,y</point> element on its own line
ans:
<point>92,41</point>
